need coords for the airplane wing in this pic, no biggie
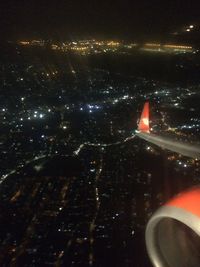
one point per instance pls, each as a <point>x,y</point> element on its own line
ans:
<point>173,232</point>
<point>185,149</point>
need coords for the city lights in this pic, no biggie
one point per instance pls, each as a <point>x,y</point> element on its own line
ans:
<point>82,171</point>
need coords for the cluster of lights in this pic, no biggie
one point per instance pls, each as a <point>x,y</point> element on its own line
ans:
<point>188,29</point>
<point>87,46</point>
<point>163,92</point>
<point>125,97</point>
<point>189,126</point>
<point>24,42</point>
<point>36,115</point>
<point>182,164</point>
<point>84,46</point>
<point>172,46</point>
<point>93,106</point>
<point>177,46</point>
<point>32,42</point>
<point>153,45</point>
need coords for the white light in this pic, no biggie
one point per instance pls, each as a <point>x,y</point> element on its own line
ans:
<point>41,116</point>
<point>97,107</point>
<point>145,121</point>
<point>191,26</point>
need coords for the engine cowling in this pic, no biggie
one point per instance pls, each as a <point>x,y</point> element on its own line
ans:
<point>173,232</point>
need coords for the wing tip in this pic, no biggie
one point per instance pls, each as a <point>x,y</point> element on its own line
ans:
<point>143,125</point>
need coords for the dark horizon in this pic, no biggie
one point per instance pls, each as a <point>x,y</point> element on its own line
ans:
<point>101,19</point>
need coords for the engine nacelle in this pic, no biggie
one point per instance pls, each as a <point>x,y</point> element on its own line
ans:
<point>173,232</point>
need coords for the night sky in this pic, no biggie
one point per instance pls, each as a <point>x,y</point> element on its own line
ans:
<point>84,18</point>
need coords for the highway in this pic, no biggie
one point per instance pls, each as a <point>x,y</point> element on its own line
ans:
<point>185,149</point>
<point>75,153</point>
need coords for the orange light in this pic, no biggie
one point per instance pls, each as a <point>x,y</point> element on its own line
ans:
<point>144,121</point>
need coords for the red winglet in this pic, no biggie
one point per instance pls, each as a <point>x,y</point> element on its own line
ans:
<point>144,120</point>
